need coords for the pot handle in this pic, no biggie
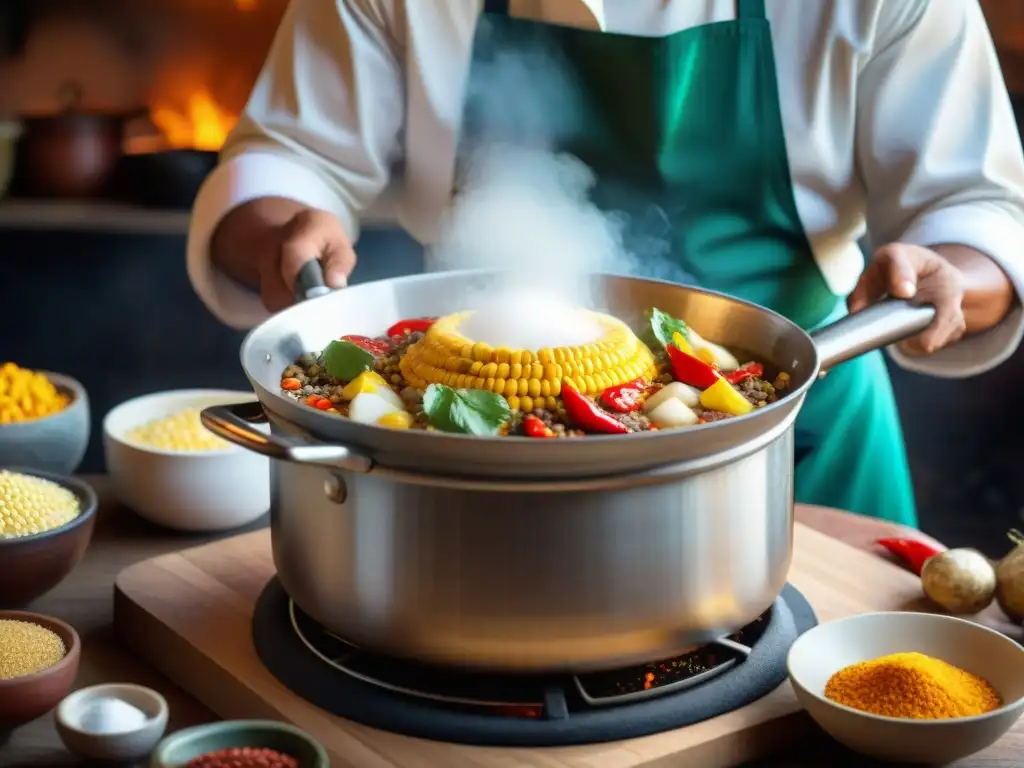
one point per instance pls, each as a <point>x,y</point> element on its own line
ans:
<point>310,282</point>
<point>881,324</point>
<point>235,422</point>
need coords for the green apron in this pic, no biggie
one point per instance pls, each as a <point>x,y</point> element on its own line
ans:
<point>688,128</point>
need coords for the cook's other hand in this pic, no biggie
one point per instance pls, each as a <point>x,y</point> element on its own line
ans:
<point>265,242</point>
<point>969,291</point>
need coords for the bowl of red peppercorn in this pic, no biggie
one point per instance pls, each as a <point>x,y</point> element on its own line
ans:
<point>240,744</point>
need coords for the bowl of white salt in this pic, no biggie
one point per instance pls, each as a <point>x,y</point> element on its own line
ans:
<point>118,722</point>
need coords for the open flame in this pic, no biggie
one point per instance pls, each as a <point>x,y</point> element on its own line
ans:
<point>203,124</point>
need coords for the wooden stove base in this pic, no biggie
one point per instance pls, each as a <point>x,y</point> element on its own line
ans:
<point>189,614</point>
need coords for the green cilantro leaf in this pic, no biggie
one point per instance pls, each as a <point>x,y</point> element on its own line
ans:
<point>345,360</point>
<point>465,411</point>
<point>662,327</point>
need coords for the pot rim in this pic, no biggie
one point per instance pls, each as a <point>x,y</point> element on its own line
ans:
<point>426,439</point>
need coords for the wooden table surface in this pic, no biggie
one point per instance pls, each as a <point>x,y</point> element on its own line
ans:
<point>85,600</point>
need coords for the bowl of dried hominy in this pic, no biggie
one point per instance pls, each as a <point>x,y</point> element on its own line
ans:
<point>168,468</point>
<point>44,419</point>
<point>46,523</point>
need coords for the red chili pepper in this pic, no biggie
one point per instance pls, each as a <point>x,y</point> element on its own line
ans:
<point>375,347</point>
<point>747,371</point>
<point>913,553</point>
<point>625,398</point>
<point>404,327</point>
<point>691,370</point>
<point>535,427</point>
<point>585,414</point>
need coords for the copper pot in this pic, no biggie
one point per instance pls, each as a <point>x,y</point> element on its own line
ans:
<point>72,153</point>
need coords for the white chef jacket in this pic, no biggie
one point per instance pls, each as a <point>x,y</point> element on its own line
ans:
<point>896,118</point>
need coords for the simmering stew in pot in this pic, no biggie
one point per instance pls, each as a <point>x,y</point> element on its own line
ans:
<point>427,373</point>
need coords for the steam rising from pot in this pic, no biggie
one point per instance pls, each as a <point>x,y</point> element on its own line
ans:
<point>525,209</point>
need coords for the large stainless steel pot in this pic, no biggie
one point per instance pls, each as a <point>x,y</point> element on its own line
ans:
<point>518,554</point>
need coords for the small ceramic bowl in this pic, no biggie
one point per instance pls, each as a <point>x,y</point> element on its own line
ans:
<point>179,748</point>
<point>54,443</point>
<point>23,699</point>
<point>126,746</point>
<point>31,566</point>
<point>824,650</point>
<point>186,491</point>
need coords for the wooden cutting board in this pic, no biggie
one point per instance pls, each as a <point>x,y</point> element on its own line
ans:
<point>189,614</point>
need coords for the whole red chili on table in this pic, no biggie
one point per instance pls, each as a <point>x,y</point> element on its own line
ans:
<point>587,415</point>
<point>376,347</point>
<point>914,554</point>
<point>691,370</point>
<point>535,427</point>
<point>244,757</point>
<point>416,325</point>
<point>624,398</point>
<point>748,371</point>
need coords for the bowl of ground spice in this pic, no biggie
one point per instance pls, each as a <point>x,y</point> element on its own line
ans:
<point>909,687</point>
<point>46,523</point>
<point>38,664</point>
<point>240,744</point>
<point>44,420</point>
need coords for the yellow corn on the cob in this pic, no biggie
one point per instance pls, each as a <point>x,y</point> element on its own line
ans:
<point>527,379</point>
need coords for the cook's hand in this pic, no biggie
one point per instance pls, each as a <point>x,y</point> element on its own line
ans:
<point>310,234</point>
<point>924,276</point>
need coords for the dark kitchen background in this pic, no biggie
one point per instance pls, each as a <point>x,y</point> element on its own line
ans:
<point>93,225</point>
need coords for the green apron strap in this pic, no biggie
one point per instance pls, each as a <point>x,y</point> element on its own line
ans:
<point>750,9</point>
<point>496,7</point>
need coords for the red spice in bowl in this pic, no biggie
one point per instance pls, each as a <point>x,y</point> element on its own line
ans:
<point>244,757</point>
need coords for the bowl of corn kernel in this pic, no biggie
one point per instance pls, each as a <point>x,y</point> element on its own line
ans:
<point>46,523</point>
<point>44,420</point>
<point>168,468</point>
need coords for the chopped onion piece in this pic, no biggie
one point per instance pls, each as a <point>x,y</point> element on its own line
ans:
<point>672,413</point>
<point>368,407</point>
<point>676,390</point>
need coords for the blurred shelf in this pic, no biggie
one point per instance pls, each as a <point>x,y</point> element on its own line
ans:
<point>91,216</point>
<point>120,218</point>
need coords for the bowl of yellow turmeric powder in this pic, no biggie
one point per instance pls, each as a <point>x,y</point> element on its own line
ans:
<point>169,469</point>
<point>909,687</point>
<point>44,420</point>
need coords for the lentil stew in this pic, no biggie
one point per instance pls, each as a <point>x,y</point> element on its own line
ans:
<point>423,373</point>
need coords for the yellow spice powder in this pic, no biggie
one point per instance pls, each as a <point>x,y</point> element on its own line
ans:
<point>912,686</point>
<point>30,505</point>
<point>182,431</point>
<point>27,395</point>
<point>27,648</point>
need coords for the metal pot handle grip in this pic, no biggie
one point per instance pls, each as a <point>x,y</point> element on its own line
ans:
<point>235,423</point>
<point>887,322</point>
<point>310,282</point>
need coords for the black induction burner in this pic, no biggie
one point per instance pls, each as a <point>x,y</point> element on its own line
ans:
<point>468,707</point>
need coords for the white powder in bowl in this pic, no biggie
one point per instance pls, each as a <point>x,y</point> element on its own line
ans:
<point>110,715</point>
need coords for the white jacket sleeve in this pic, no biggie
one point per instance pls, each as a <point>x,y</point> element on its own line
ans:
<point>321,127</point>
<point>940,154</point>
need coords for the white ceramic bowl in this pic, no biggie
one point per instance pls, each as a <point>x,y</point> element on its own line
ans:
<point>198,491</point>
<point>126,746</point>
<point>824,650</point>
